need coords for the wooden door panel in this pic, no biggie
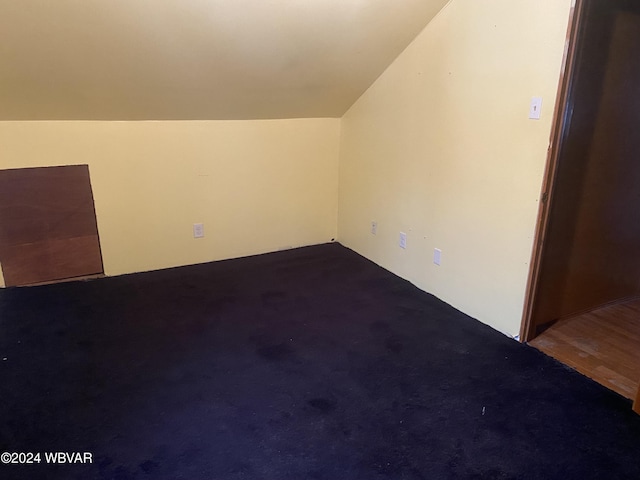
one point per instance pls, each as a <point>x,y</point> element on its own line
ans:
<point>37,200</point>
<point>51,260</point>
<point>28,225</point>
<point>48,229</point>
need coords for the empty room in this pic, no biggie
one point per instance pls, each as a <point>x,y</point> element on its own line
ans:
<point>319,239</point>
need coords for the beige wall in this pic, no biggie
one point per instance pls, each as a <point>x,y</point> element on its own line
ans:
<point>441,147</point>
<point>257,186</point>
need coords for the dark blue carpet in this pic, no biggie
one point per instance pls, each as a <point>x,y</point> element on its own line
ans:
<point>312,363</point>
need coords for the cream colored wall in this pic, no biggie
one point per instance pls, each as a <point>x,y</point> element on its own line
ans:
<point>441,147</point>
<point>257,186</point>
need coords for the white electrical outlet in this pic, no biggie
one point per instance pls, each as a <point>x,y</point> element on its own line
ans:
<point>198,230</point>
<point>437,255</point>
<point>374,228</point>
<point>403,240</point>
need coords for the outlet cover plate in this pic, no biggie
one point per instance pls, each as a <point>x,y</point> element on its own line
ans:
<point>437,255</point>
<point>535,107</point>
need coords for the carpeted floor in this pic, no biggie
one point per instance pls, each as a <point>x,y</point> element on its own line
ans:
<point>312,363</point>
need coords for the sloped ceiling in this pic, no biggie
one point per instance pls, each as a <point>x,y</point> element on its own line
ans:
<point>197,59</point>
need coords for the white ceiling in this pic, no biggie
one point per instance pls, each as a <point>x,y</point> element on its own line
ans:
<point>197,59</point>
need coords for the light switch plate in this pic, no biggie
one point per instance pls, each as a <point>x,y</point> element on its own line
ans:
<point>535,107</point>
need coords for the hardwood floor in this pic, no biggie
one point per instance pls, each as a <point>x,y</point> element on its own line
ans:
<point>603,344</point>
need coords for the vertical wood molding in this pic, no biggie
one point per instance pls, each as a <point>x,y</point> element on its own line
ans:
<point>559,126</point>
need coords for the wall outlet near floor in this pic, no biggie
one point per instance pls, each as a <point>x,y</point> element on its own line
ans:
<point>403,240</point>
<point>198,230</point>
<point>374,228</point>
<point>437,255</point>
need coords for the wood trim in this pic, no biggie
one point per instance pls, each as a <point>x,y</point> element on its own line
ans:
<point>636,403</point>
<point>83,278</point>
<point>560,125</point>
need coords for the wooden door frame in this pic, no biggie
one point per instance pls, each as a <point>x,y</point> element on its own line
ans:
<point>560,126</point>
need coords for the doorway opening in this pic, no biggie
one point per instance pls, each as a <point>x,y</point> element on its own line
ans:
<point>583,299</point>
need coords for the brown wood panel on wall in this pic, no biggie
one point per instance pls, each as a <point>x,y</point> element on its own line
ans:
<point>591,249</point>
<point>48,228</point>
